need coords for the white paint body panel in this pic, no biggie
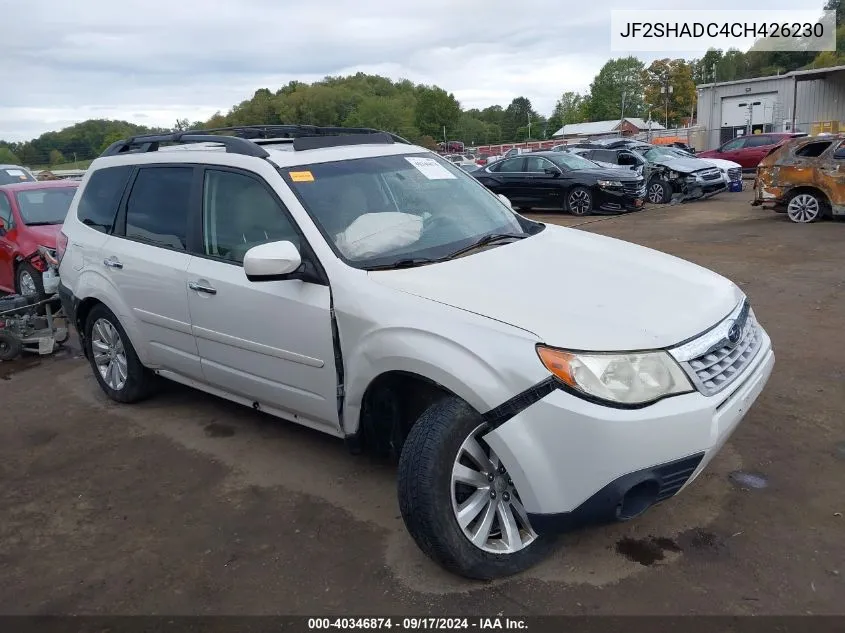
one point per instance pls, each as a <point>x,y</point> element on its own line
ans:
<point>611,295</point>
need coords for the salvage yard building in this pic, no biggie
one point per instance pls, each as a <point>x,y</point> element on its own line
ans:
<point>811,101</point>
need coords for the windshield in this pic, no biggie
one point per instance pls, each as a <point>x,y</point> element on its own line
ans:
<point>9,175</point>
<point>570,160</point>
<point>44,206</point>
<point>656,153</point>
<point>381,210</point>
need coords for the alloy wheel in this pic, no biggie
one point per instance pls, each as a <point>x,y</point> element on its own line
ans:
<point>803,208</point>
<point>579,202</point>
<point>27,284</point>
<point>655,193</point>
<point>109,354</point>
<point>485,501</point>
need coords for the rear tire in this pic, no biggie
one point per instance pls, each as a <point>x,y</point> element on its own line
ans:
<point>805,207</point>
<point>430,508</point>
<point>116,365</point>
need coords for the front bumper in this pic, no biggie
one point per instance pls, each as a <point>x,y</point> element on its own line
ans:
<point>572,461</point>
<point>619,201</point>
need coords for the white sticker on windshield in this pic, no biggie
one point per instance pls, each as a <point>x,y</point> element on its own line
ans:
<point>15,172</point>
<point>430,168</point>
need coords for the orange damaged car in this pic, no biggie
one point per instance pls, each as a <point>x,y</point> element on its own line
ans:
<point>804,178</point>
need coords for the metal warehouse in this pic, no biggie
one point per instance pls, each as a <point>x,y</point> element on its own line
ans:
<point>811,101</point>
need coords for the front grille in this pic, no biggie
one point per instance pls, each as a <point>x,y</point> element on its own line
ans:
<point>719,367</point>
<point>735,173</point>
<point>710,175</point>
<point>635,189</point>
<point>675,474</point>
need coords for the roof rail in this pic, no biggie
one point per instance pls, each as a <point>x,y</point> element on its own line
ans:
<point>291,130</point>
<point>151,142</point>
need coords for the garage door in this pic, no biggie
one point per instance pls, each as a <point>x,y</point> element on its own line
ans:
<point>734,114</point>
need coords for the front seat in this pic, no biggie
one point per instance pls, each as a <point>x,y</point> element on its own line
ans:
<point>257,219</point>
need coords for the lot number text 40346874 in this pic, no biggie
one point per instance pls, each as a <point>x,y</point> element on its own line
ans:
<point>417,624</point>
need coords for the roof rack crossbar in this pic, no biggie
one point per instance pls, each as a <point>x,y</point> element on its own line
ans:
<point>295,130</point>
<point>151,143</point>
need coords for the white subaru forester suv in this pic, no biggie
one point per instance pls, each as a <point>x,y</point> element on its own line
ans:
<point>529,378</point>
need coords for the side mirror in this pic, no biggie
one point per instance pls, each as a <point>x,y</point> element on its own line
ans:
<point>273,261</point>
<point>839,153</point>
<point>505,201</point>
<point>553,171</point>
<point>2,227</point>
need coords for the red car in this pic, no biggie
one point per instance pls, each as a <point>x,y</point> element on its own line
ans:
<point>749,150</point>
<point>31,215</point>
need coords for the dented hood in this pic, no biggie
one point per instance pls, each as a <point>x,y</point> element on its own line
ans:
<point>578,290</point>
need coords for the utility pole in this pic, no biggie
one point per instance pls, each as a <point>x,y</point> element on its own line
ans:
<point>666,89</point>
<point>529,126</point>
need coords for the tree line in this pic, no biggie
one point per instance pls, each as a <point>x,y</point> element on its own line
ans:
<point>663,91</point>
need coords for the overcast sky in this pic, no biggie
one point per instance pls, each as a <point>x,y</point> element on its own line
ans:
<point>153,61</point>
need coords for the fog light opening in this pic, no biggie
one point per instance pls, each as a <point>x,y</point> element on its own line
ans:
<point>637,500</point>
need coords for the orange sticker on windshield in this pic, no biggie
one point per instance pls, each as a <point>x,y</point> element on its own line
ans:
<point>302,176</point>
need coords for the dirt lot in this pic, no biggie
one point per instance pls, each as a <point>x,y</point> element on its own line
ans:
<point>187,504</point>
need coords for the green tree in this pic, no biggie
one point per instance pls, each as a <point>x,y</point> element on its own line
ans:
<point>570,108</point>
<point>56,157</point>
<point>436,109</point>
<point>8,157</point>
<point>677,74</point>
<point>618,77</point>
<point>516,116</point>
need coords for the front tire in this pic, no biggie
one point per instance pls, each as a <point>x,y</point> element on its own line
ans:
<point>116,365</point>
<point>580,201</point>
<point>457,501</point>
<point>659,191</point>
<point>28,282</point>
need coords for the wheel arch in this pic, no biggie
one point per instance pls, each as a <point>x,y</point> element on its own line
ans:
<point>92,290</point>
<point>812,189</point>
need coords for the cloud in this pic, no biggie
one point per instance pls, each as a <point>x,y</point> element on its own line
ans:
<point>154,61</point>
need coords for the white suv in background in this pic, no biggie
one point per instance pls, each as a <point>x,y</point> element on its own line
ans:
<point>367,288</point>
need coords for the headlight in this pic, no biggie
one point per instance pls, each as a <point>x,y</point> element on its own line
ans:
<point>627,378</point>
<point>691,178</point>
<point>609,183</point>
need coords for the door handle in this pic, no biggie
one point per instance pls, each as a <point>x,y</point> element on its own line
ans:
<point>193,285</point>
<point>112,263</point>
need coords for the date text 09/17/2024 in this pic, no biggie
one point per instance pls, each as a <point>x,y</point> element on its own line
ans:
<point>417,624</point>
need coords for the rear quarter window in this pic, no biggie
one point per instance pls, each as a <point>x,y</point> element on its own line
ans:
<point>101,197</point>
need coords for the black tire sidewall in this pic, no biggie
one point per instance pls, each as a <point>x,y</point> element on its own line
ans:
<point>569,195</point>
<point>137,379</point>
<point>14,348</point>
<point>36,277</point>
<point>425,471</point>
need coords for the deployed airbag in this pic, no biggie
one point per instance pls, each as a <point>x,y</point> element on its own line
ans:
<point>374,234</point>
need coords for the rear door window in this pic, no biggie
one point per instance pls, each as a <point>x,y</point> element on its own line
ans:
<point>5,211</point>
<point>733,145</point>
<point>157,208</point>
<point>101,197</point>
<point>512,165</point>
<point>758,140</point>
<point>812,150</point>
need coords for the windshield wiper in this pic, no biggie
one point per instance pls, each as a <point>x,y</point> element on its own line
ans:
<point>42,223</point>
<point>484,241</point>
<point>409,262</point>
